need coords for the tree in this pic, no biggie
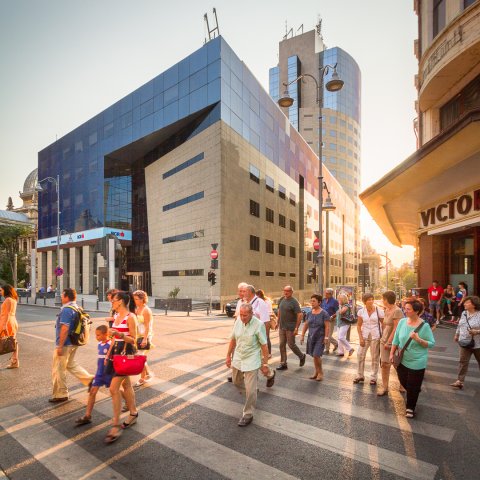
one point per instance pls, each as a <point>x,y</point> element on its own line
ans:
<point>9,246</point>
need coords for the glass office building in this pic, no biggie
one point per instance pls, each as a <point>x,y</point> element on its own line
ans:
<point>154,171</point>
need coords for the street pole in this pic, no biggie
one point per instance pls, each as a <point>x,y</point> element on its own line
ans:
<point>58,300</point>
<point>320,182</point>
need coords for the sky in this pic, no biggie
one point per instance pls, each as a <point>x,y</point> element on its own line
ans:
<point>64,61</point>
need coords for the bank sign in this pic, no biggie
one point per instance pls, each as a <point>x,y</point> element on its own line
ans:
<point>457,208</point>
<point>77,237</point>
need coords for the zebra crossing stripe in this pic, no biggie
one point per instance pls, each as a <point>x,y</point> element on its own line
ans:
<point>340,367</point>
<point>345,408</point>
<point>376,457</point>
<point>57,453</point>
<point>195,447</point>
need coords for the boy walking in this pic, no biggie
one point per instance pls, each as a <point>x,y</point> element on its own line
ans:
<point>101,378</point>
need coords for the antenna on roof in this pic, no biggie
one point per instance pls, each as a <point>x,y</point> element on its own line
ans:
<point>300,28</point>
<point>215,31</point>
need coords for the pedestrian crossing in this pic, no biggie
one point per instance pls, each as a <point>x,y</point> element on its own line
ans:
<point>197,390</point>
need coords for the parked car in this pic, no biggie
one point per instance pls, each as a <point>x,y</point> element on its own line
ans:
<point>230,307</point>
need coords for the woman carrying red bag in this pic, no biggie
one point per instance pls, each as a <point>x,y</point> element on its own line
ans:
<point>124,334</point>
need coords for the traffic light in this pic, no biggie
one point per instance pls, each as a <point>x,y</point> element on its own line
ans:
<point>212,278</point>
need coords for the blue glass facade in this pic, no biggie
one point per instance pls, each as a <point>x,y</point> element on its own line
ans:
<point>347,100</point>
<point>274,83</point>
<point>294,89</point>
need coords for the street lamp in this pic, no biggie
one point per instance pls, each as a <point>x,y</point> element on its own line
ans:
<point>327,207</point>
<point>38,188</point>
<point>333,85</point>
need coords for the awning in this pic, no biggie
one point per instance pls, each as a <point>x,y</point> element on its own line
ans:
<point>445,166</point>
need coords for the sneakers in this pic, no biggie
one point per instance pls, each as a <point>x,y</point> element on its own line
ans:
<point>282,366</point>
<point>302,360</point>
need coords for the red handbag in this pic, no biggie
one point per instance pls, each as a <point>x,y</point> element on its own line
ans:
<point>126,365</point>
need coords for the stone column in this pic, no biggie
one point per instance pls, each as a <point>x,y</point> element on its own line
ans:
<point>49,268</point>
<point>87,277</point>
<point>41,270</point>
<point>75,268</point>
<point>61,283</point>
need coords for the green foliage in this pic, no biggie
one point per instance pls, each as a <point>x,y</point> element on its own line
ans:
<point>9,246</point>
<point>174,293</point>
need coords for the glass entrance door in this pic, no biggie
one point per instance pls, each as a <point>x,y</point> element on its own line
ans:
<point>462,261</point>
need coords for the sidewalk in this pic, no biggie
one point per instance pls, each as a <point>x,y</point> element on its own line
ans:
<point>90,304</point>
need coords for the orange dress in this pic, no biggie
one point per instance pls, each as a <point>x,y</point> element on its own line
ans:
<point>11,325</point>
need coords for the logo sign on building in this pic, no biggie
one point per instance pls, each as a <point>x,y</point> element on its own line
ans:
<point>457,208</point>
<point>84,236</point>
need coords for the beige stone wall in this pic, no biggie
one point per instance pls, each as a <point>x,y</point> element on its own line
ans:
<point>223,217</point>
<point>201,216</point>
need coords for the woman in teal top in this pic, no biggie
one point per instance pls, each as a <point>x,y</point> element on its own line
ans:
<point>414,361</point>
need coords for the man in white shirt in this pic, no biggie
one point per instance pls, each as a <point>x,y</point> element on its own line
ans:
<point>241,301</point>
<point>259,306</point>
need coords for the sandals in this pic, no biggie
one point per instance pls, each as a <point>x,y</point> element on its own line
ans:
<point>83,420</point>
<point>125,408</point>
<point>140,383</point>
<point>359,380</point>
<point>373,382</point>
<point>134,417</point>
<point>13,364</point>
<point>313,377</point>
<point>458,384</point>
<point>113,437</point>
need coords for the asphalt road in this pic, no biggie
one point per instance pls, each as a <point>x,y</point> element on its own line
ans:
<point>187,427</point>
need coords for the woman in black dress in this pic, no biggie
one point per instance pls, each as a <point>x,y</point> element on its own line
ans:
<point>317,322</point>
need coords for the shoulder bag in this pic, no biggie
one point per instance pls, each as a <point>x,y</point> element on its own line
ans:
<point>398,355</point>
<point>467,343</point>
<point>125,365</point>
<point>8,344</point>
<point>348,317</point>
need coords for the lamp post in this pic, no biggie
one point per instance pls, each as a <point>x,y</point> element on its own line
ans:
<point>328,207</point>
<point>38,188</point>
<point>333,85</point>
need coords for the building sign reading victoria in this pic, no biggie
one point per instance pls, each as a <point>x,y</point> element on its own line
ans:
<point>460,207</point>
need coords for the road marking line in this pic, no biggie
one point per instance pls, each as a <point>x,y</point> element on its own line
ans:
<point>345,408</point>
<point>223,460</point>
<point>339,366</point>
<point>376,457</point>
<point>57,453</point>
<point>36,336</point>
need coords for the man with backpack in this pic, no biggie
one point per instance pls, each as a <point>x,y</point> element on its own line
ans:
<point>71,332</point>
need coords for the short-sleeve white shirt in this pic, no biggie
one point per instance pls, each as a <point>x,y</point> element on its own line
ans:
<point>371,324</point>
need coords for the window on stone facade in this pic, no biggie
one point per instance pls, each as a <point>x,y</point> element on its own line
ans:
<point>292,225</point>
<point>439,16</point>
<point>254,208</point>
<point>282,221</point>
<point>282,249</point>
<point>269,246</point>
<point>269,215</point>
<point>254,243</point>
<point>293,252</point>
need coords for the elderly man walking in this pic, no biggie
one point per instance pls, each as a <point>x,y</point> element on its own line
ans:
<point>248,353</point>
<point>289,317</point>
<point>330,305</point>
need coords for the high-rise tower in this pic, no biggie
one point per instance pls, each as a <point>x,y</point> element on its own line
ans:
<point>341,114</point>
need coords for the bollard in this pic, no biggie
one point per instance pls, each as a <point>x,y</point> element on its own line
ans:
<point>44,300</point>
<point>166,308</point>
<point>27,299</point>
<point>19,299</point>
<point>97,305</point>
<point>188,311</point>
<point>36,299</point>
<point>208,311</point>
